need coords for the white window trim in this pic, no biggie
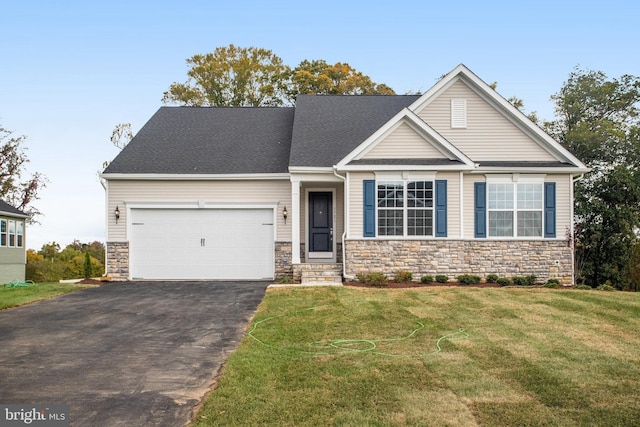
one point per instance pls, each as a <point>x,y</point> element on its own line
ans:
<point>9,234</point>
<point>405,178</point>
<point>5,233</point>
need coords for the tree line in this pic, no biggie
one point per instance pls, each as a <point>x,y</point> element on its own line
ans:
<point>77,260</point>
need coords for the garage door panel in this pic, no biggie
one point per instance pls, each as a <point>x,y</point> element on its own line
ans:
<point>202,243</point>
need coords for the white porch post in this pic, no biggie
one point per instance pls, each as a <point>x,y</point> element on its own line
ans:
<point>295,220</point>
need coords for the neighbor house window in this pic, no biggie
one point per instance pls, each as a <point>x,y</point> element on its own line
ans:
<point>3,232</point>
<point>20,234</point>
<point>12,233</point>
<point>405,208</point>
<point>515,209</point>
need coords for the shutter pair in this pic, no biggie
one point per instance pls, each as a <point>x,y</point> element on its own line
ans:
<point>370,208</point>
<point>480,209</point>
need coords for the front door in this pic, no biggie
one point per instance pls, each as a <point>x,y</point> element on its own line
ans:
<point>320,224</point>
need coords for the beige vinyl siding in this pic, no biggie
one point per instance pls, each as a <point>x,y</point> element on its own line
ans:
<point>453,202</point>
<point>488,135</point>
<point>338,225</point>
<point>356,201</point>
<point>469,203</point>
<point>122,192</point>
<point>563,203</point>
<point>403,143</point>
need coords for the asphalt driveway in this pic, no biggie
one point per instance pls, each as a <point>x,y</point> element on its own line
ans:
<point>124,354</point>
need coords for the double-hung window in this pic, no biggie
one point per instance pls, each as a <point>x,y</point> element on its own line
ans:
<point>515,209</point>
<point>12,234</point>
<point>20,234</point>
<point>405,208</point>
<point>3,232</point>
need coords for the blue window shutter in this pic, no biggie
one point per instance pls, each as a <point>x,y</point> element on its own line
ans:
<point>480,212</point>
<point>549,209</point>
<point>441,208</point>
<point>369,208</point>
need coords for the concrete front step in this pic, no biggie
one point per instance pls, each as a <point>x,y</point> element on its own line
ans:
<point>321,274</point>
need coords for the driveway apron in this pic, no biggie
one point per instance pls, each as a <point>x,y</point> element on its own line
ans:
<point>124,354</point>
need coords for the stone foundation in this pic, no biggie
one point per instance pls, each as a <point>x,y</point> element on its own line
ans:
<point>283,266</point>
<point>543,258</point>
<point>118,260</point>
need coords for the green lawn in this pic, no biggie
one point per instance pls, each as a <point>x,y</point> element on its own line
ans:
<point>370,357</point>
<point>15,296</point>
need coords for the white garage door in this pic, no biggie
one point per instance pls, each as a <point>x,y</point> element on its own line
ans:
<point>202,244</point>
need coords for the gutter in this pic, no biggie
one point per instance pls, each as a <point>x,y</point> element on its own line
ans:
<point>345,219</point>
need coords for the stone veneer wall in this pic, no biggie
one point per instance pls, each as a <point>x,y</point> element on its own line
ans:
<point>118,260</point>
<point>543,258</point>
<point>284,267</point>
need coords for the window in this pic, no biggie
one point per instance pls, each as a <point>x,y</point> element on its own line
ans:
<point>405,208</point>
<point>12,233</point>
<point>515,209</point>
<point>3,232</point>
<point>20,234</point>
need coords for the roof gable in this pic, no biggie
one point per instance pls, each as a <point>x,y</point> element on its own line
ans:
<point>432,143</point>
<point>503,110</point>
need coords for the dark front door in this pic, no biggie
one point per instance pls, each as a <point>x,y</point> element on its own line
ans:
<point>321,222</point>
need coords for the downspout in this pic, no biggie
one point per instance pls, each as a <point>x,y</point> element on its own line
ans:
<point>104,184</point>
<point>572,230</point>
<point>345,221</point>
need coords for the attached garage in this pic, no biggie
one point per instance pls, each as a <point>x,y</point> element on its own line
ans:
<point>198,244</point>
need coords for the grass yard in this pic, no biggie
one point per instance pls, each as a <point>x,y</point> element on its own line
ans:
<point>13,297</point>
<point>369,357</point>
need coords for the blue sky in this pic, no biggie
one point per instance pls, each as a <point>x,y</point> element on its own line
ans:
<point>71,70</point>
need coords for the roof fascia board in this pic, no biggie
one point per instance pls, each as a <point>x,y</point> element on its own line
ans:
<point>371,168</point>
<point>13,215</point>
<point>532,169</point>
<point>194,177</point>
<point>412,119</point>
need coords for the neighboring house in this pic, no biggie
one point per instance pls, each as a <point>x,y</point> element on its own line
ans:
<point>453,181</point>
<point>13,256</point>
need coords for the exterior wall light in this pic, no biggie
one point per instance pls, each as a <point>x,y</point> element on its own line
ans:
<point>117,214</point>
<point>285,214</point>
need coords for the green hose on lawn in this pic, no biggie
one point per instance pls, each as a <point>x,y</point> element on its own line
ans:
<point>19,284</point>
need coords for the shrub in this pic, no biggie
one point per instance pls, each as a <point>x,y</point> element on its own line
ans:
<point>605,287</point>
<point>441,278</point>
<point>492,278</point>
<point>426,279</point>
<point>285,279</point>
<point>524,280</point>
<point>468,279</point>
<point>403,276</point>
<point>553,281</point>
<point>551,284</point>
<point>584,287</point>
<point>375,278</point>
<point>503,281</point>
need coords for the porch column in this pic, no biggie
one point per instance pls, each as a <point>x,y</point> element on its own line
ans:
<point>295,221</point>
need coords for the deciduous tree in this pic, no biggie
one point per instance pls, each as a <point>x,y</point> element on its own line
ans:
<point>15,188</point>
<point>232,76</point>
<point>597,119</point>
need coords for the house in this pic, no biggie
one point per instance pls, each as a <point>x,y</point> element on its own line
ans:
<point>453,181</point>
<point>13,257</point>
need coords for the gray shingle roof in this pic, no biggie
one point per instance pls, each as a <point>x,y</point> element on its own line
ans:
<point>8,209</point>
<point>327,128</point>
<point>202,140</point>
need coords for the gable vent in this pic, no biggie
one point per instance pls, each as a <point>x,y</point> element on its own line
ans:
<point>458,113</point>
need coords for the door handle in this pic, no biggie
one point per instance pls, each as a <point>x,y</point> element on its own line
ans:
<point>202,242</point>
<point>331,231</point>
